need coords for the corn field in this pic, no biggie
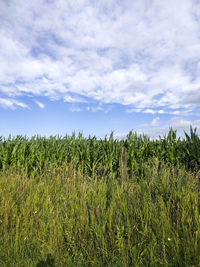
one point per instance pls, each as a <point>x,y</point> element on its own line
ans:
<point>75,201</point>
<point>92,156</point>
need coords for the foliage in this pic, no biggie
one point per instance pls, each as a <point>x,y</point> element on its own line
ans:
<point>92,156</point>
<point>72,201</point>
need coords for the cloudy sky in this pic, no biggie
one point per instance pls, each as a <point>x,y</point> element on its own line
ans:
<point>97,66</point>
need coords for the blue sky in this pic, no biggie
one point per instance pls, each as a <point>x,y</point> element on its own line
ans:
<point>99,66</point>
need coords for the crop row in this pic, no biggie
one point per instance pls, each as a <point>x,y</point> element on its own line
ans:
<point>92,156</point>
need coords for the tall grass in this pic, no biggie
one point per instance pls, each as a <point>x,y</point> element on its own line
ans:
<point>148,221</point>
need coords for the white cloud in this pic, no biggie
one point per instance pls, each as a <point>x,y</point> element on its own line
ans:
<point>40,105</point>
<point>157,128</point>
<point>140,53</point>
<point>11,103</point>
<point>120,136</point>
<point>71,99</point>
<point>154,111</point>
<point>149,111</point>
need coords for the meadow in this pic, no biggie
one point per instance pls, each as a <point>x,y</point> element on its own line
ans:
<point>75,201</point>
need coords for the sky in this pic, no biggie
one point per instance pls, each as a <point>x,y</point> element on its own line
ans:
<point>99,66</point>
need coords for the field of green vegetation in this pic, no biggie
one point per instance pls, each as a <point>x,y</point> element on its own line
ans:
<point>75,201</point>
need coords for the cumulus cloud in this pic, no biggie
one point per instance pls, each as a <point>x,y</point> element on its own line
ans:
<point>157,128</point>
<point>139,53</point>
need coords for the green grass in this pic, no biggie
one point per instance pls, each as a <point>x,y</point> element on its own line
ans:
<point>64,216</point>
